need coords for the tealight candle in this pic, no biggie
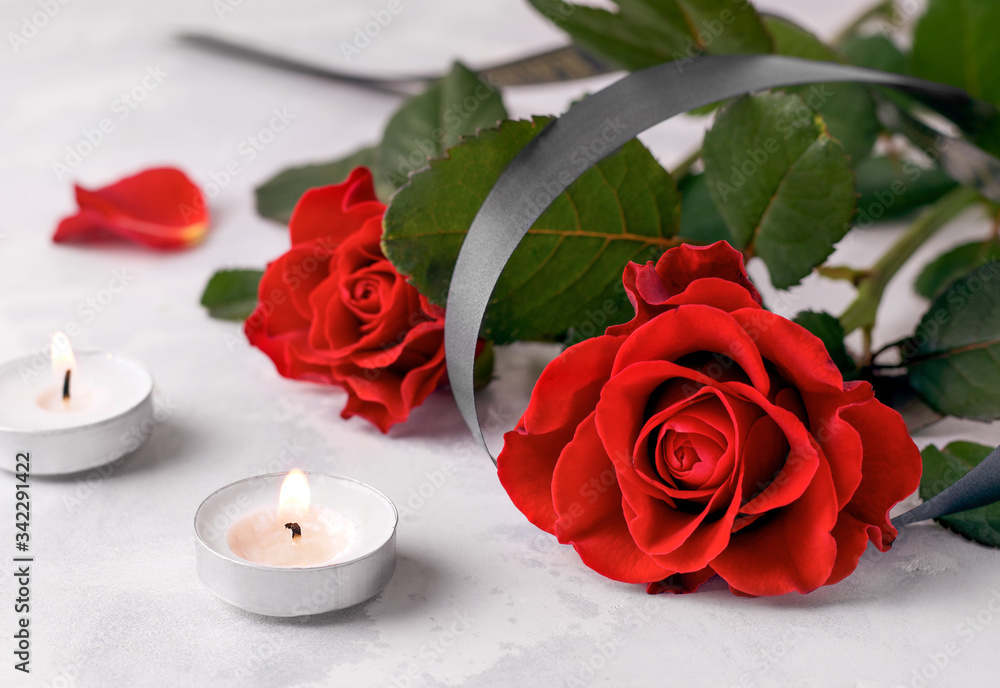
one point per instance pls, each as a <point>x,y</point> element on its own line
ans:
<point>294,533</point>
<point>92,409</point>
<point>296,544</point>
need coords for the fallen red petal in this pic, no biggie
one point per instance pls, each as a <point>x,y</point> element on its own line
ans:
<point>160,208</point>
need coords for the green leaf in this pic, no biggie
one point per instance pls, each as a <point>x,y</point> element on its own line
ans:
<point>940,274</point>
<point>847,109</point>
<point>956,43</point>
<point>828,328</point>
<point>435,120</point>
<point>276,198</point>
<point>644,33</point>
<point>875,52</point>
<point>424,126</point>
<point>890,188</point>
<point>232,294</point>
<point>942,468</point>
<point>954,357</point>
<point>783,185</point>
<point>701,222</point>
<point>566,273</point>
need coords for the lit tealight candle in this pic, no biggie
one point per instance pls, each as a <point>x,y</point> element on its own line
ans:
<point>294,533</point>
<point>295,544</point>
<point>86,399</point>
<point>90,409</point>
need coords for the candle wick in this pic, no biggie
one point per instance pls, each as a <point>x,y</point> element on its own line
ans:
<point>66,385</point>
<point>296,530</point>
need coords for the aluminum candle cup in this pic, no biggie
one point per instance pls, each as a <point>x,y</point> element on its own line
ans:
<point>108,415</point>
<point>362,565</point>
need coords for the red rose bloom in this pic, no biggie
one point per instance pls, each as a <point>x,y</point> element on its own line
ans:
<point>334,310</point>
<point>708,436</point>
<point>160,208</point>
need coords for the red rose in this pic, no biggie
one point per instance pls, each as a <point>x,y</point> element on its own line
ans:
<point>708,436</point>
<point>160,208</point>
<point>334,310</point>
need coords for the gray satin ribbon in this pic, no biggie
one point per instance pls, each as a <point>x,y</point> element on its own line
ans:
<point>613,116</point>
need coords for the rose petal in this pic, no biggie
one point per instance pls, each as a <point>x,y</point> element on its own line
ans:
<point>681,266</point>
<point>649,301</point>
<point>621,417</point>
<point>298,274</point>
<point>773,488</point>
<point>800,356</point>
<point>333,213</point>
<point>792,549</point>
<point>589,507</point>
<point>677,540</point>
<point>287,351</point>
<point>161,208</point>
<point>852,538</point>
<point>564,395</point>
<point>668,337</point>
<point>384,396</point>
<point>891,468</point>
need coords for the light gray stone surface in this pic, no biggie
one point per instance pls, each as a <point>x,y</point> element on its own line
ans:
<point>480,597</point>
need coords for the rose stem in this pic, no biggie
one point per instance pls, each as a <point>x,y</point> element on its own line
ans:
<point>861,313</point>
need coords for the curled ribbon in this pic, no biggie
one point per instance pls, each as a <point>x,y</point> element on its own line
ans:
<point>548,165</point>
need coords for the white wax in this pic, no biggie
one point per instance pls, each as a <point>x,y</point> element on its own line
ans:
<point>261,537</point>
<point>102,386</point>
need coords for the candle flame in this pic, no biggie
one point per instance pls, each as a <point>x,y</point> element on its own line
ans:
<point>293,501</point>
<point>62,357</point>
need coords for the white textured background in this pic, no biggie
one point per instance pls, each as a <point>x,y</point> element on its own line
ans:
<point>479,597</point>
